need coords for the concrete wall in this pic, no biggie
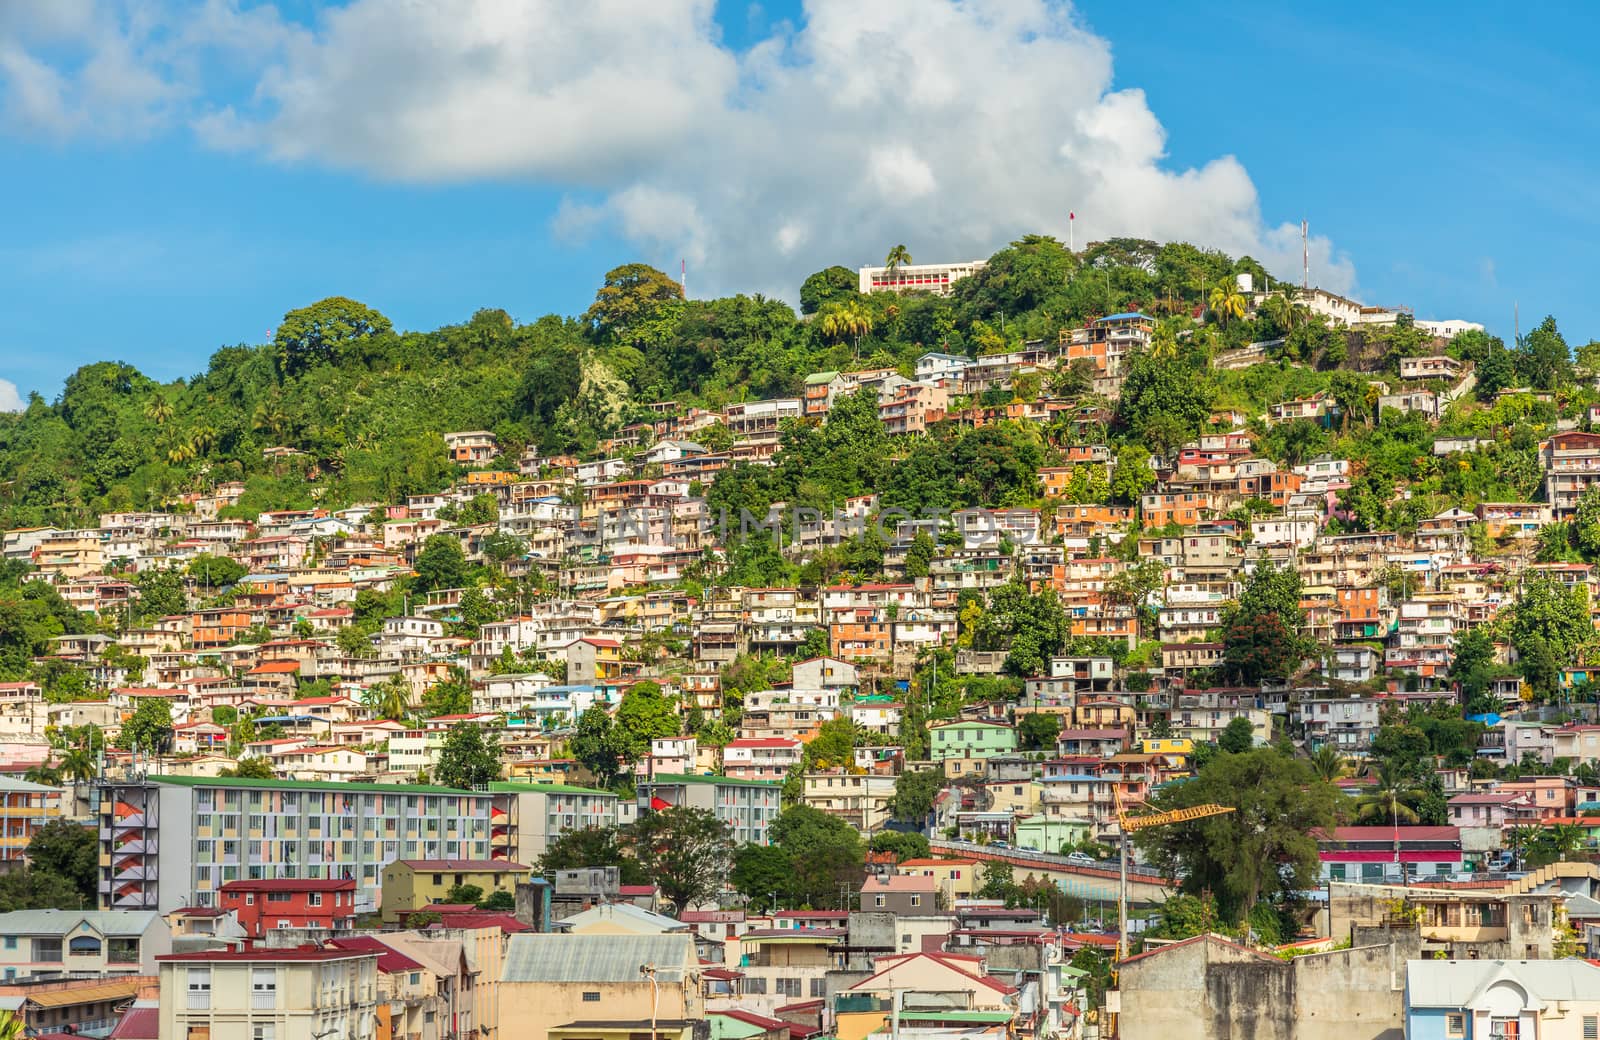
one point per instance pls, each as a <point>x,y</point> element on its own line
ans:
<point>1214,990</point>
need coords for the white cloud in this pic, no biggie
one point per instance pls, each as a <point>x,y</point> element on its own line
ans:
<point>10,397</point>
<point>952,126</point>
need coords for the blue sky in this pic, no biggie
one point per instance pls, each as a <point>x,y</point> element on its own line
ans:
<point>177,182</point>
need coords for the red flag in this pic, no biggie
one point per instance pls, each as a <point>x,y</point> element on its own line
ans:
<point>1071,215</point>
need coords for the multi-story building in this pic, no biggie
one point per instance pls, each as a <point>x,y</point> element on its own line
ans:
<point>81,942</point>
<point>527,817</point>
<point>964,739</point>
<point>1571,462</point>
<point>748,807</point>
<point>929,278</point>
<point>24,809</point>
<point>1107,342</point>
<point>861,800</point>
<point>171,841</point>
<point>308,993</point>
<point>760,758</point>
<point>305,904</point>
<point>412,884</point>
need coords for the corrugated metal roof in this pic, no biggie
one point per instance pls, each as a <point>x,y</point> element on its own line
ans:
<point>544,957</point>
<point>1451,984</point>
<point>60,922</point>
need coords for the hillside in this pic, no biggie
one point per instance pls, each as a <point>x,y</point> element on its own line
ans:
<point>367,404</point>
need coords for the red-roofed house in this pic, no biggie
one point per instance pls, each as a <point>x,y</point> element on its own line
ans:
<point>760,758</point>
<point>594,662</point>
<point>953,977</point>
<point>326,904</point>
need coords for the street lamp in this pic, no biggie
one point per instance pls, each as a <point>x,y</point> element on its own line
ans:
<point>649,972</point>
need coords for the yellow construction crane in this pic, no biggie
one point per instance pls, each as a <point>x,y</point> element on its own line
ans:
<point>1127,824</point>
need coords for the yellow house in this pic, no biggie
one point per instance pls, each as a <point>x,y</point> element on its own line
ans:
<point>411,884</point>
<point>1014,796</point>
<point>1166,746</point>
<point>601,987</point>
<point>961,989</point>
<point>957,878</point>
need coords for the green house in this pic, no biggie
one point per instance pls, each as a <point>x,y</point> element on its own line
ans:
<point>972,740</point>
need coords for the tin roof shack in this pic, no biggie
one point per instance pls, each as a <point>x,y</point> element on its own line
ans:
<point>1208,988</point>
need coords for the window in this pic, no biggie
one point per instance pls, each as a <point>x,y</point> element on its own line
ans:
<point>438,879</point>
<point>316,899</point>
<point>1591,1027</point>
<point>1455,1025</point>
<point>249,899</point>
<point>47,951</point>
<point>199,988</point>
<point>263,988</point>
<point>591,996</point>
<point>11,942</point>
<point>916,900</point>
<point>84,946</point>
<point>818,987</point>
<point>261,1031</point>
<point>788,987</point>
<point>877,900</point>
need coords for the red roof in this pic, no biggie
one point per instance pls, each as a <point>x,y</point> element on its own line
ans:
<point>302,953</point>
<point>389,959</point>
<point>483,919</point>
<point>751,1018</point>
<point>499,866</point>
<point>1406,833</point>
<point>138,1023</point>
<point>292,885</point>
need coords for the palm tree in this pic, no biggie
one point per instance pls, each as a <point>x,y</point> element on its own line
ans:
<point>10,1026</point>
<point>389,699</point>
<point>1328,763</point>
<point>158,410</point>
<point>77,764</point>
<point>1227,302</point>
<point>897,256</point>
<point>1390,800</point>
<point>847,319</point>
<point>1283,309</point>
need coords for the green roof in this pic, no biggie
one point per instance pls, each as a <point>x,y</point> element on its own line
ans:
<point>698,778</point>
<point>309,785</point>
<point>513,787</point>
<point>821,377</point>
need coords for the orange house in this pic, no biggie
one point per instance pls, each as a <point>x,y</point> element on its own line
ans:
<point>1184,508</point>
<point>215,628</point>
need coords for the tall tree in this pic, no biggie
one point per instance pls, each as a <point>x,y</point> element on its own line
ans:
<point>898,257</point>
<point>687,852</point>
<point>324,332</point>
<point>468,758</point>
<point>1262,850</point>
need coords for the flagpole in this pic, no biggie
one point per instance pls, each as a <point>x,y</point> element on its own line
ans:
<point>1071,228</point>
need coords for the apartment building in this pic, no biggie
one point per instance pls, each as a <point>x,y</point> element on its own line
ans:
<point>305,904</point>
<point>171,841</point>
<point>930,278</point>
<point>748,807</point>
<point>81,942</point>
<point>410,885</point>
<point>25,808</point>
<point>760,758</point>
<point>1571,462</point>
<point>307,993</point>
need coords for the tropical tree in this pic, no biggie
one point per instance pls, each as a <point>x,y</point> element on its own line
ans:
<point>1328,763</point>
<point>898,256</point>
<point>388,699</point>
<point>1227,302</point>
<point>1392,798</point>
<point>846,320</point>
